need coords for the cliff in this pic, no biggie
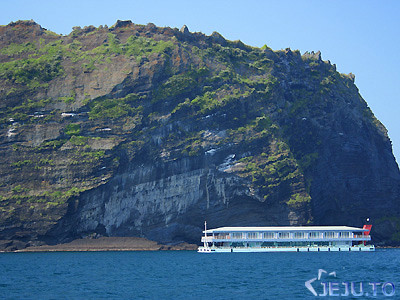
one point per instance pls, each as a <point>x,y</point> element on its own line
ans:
<point>145,131</point>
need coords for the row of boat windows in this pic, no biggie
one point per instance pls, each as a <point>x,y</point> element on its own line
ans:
<point>283,244</point>
<point>284,235</point>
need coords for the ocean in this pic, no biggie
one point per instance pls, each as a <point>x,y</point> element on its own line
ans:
<point>190,275</point>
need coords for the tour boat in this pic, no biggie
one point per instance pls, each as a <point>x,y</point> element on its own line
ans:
<point>286,239</point>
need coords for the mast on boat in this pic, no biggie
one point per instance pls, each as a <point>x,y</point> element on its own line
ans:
<point>205,234</point>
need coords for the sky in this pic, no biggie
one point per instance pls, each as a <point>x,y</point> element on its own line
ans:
<point>359,36</point>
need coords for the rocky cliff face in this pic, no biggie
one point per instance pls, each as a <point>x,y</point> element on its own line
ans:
<point>144,131</point>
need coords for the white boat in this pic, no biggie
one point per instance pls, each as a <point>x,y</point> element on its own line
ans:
<point>286,239</point>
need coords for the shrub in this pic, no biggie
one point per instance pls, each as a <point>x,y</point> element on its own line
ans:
<point>104,108</point>
<point>21,163</point>
<point>298,200</point>
<point>73,129</point>
<point>13,48</point>
<point>180,84</point>
<point>78,140</point>
<point>109,109</point>
<point>32,71</point>
<point>18,189</point>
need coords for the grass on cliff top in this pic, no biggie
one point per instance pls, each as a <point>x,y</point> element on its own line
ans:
<point>42,65</point>
<point>18,49</point>
<point>138,47</point>
<point>44,61</point>
<point>32,72</point>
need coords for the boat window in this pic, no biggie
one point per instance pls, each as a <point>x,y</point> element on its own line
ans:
<point>299,244</point>
<point>284,244</point>
<point>221,235</point>
<point>252,235</point>
<point>329,234</point>
<point>314,234</point>
<point>299,235</point>
<point>234,245</point>
<point>268,235</point>
<point>345,234</point>
<point>284,235</point>
<point>236,235</point>
<point>321,243</point>
<point>268,244</point>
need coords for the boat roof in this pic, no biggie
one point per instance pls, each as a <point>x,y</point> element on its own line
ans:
<point>286,228</point>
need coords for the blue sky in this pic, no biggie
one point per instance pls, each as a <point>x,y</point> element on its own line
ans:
<point>359,36</point>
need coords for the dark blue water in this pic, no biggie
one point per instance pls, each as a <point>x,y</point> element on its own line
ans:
<point>189,275</point>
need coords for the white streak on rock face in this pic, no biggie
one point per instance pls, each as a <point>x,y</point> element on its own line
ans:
<point>228,162</point>
<point>68,115</point>
<point>207,194</point>
<point>211,152</point>
<point>11,132</point>
<point>220,189</point>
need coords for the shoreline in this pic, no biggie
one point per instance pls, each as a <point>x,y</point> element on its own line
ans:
<point>118,244</point>
<point>108,244</point>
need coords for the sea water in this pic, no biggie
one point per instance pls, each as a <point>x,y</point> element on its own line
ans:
<point>191,275</point>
